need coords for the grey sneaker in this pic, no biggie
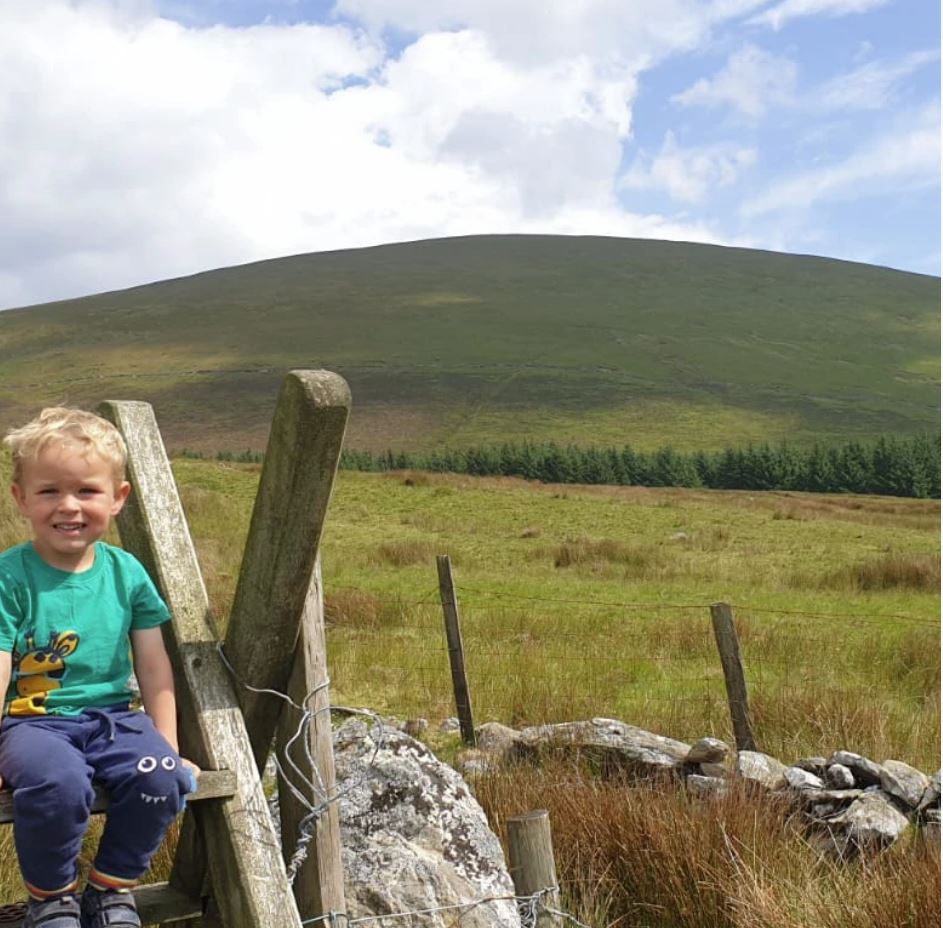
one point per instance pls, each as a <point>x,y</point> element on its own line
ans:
<point>60,912</point>
<point>108,909</point>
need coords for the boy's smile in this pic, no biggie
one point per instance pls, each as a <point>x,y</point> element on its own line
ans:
<point>69,497</point>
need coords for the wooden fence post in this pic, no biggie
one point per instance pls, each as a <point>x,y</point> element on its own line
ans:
<point>301,460</point>
<point>242,849</point>
<point>319,886</point>
<point>453,636</point>
<point>725,633</point>
<point>277,620</point>
<point>531,864</point>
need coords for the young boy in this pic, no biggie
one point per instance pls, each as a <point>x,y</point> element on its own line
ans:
<point>73,612</point>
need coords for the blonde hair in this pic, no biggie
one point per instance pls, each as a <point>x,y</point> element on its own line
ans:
<point>64,425</point>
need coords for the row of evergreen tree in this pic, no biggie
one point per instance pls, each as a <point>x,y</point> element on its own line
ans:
<point>890,466</point>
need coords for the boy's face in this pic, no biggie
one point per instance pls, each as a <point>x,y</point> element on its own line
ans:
<point>69,497</point>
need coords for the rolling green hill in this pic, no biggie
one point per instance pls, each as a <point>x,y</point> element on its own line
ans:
<point>464,340</point>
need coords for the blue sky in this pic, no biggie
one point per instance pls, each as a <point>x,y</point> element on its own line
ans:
<point>147,139</point>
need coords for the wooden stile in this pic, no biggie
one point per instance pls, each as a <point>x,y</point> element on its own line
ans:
<point>245,864</point>
<point>319,887</point>
<point>300,463</point>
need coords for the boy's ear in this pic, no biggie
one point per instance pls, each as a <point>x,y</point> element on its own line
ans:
<point>18,496</point>
<point>122,492</point>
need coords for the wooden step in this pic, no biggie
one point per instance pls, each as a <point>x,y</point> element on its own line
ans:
<point>157,903</point>
<point>212,784</point>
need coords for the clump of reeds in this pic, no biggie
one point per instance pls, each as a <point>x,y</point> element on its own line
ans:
<point>651,855</point>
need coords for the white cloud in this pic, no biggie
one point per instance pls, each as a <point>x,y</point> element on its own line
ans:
<point>133,148</point>
<point>689,174</point>
<point>906,158</point>
<point>778,15</point>
<point>751,81</point>
<point>631,34</point>
<point>871,86</point>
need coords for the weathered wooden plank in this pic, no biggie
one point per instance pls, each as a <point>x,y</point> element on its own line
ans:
<point>728,645</point>
<point>300,463</point>
<point>246,868</point>
<point>319,885</point>
<point>213,784</point>
<point>158,903</point>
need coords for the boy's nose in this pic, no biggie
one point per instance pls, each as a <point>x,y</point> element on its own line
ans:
<point>68,503</point>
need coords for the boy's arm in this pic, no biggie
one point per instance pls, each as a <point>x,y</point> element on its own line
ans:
<point>156,680</point>
<point>6,668</point>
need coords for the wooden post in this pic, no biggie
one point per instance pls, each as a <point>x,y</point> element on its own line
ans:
<point>453,636</point>
<point>247,873</point>
<point>319,885</point>
<point>301,460</point>
<point>725,633</point>
<point>530,861</point>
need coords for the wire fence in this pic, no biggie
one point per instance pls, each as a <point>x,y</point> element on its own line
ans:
<point>868,680</point>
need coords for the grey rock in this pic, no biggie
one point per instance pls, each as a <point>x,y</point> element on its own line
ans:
<point>707,786</point>
<point>761,768</point>
<point>413,836</point>
<point>838,776</point>
<point>797,778</point>
<point>415,727</point>
<point>495,738</point>
<point>616,746</point>
<point>930,827</point>
<point>871,822</point>
<point>449,725</point>
<point>838,797</point>
<point>866,771</point>
<point>904,782</point>
<point>931,795</point>
<point>816,765</point>
<point>714,770</point>
<point>708,751</point>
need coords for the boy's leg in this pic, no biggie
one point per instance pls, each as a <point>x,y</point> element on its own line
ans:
<point>146,785</point>
<point>41,762</point>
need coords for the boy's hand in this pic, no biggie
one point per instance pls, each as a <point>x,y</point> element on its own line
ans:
<point>192,767</point>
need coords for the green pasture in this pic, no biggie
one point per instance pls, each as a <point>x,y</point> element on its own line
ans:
<point>595,601</point>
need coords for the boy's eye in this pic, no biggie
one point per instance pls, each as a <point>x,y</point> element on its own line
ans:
<point>47,492</point>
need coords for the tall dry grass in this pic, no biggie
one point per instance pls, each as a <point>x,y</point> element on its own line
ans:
<point>652,856</point>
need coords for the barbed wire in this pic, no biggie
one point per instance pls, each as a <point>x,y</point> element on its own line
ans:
<point>432,598</point>
<point>529,909</point>
<point>531,905</point>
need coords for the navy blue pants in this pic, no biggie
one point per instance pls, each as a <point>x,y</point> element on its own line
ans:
<point>50,763</point>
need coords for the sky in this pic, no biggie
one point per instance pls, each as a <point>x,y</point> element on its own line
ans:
<point>147,139</point>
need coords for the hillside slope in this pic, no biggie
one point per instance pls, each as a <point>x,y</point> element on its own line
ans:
<point>467,339</point>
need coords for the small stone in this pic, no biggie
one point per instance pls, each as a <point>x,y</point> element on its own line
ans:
<point>761,769</point>
<point>708,751</point>
<point>798,778</point>
<point>450,725</point>
<point>903,781</point>
<point>866,771</point>
<point>706,786</point>
<point>838,776</point>
<point>816,765</point>
<point>930,828</point>
<point>415,727</point>
<point>931,795</point>
<point>869,823</point>
<point>715,770</point>
<point>495,738</point>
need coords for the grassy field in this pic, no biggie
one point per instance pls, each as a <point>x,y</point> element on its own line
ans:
<point>459,341</point>
<point>580,602</point>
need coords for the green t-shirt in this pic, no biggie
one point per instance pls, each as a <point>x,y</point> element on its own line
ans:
<point>69,632</point>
